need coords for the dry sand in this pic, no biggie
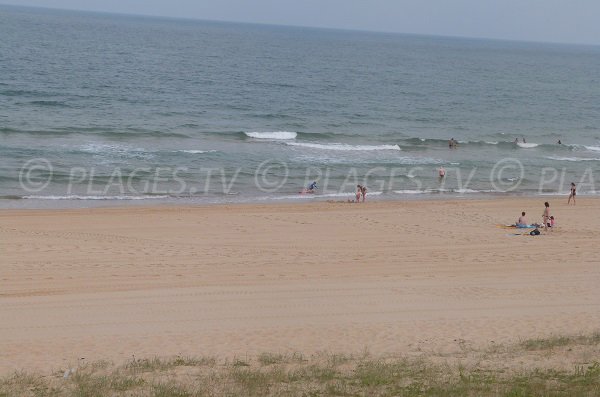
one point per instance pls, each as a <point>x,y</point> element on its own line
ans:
<point>390,277</point>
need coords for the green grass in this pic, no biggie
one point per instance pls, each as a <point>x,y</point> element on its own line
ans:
<point>272,358</point>
<point>274,374</point>
<point>560,341</point>
<point>160,364</point>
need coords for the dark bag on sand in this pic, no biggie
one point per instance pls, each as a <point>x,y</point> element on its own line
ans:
<point>534,232</point>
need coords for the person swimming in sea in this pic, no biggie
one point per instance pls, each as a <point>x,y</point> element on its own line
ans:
<point>442,172</point>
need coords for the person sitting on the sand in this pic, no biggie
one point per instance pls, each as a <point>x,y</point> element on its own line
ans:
<point>522,222</point>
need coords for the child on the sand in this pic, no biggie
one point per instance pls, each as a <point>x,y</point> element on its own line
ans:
<point>572,194</point>
<point>546,215</point>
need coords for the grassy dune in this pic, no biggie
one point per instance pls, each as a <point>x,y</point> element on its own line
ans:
<point>558,366</point>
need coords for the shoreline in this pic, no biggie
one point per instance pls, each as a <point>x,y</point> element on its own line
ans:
<point>377,197</point>
<point>241,279</point>
<point>153,206</point>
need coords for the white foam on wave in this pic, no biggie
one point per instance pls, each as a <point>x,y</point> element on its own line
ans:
<point>430,191</point>
<point>107,151</point>
<point>572,158</point>
<point>97,148</point>
<point>464,191</point>
<point>317,195</point>
<point>283,135</point>
<point>593,148</point>
<point>478,142</point>
<point>368,157</point>
<point>77,197</point>
<point>408,191</point>
<point>579,193</point>
<point>527,145</point>
<point>343,146</point>
<point>195,151</point>
<point>103,148</point>
<point>426,191</point>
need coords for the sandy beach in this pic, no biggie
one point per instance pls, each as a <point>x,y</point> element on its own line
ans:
<point>389,277</point>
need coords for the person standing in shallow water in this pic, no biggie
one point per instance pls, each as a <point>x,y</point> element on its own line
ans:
<point>358,193</point>
<point>363,190</point>
<point>442,172</point>
<point>572,194</point>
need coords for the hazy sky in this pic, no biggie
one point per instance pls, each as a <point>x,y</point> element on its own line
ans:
<point>574,21</point>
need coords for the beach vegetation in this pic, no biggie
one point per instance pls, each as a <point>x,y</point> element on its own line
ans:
<point>559,369</point>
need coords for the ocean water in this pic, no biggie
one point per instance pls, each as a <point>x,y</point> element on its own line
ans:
<point>105,108</point>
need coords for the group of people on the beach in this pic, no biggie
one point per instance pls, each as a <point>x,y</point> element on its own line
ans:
<point>547,219</point>
<point>360,191</point>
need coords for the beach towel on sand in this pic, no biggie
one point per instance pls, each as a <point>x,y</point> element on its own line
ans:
<point>517,227</point>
